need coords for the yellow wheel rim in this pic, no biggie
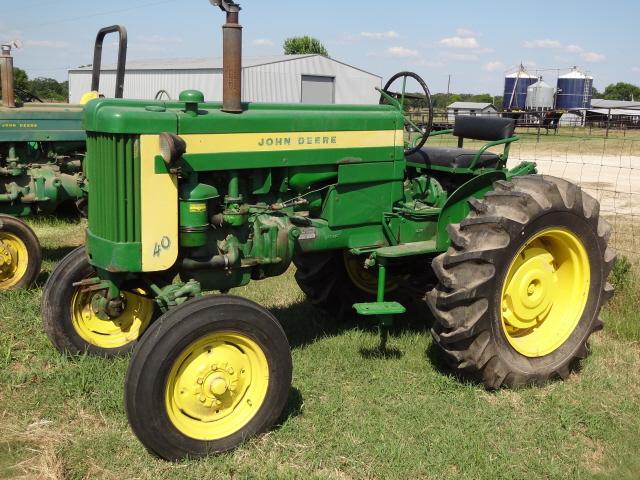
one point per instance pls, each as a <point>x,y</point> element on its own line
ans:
<point>545,292</point>
<point>116,332</point>
<point>366,279</point>
<point>216,385</point>
<point>14,260</point>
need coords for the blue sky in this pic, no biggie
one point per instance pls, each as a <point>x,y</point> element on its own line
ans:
<point>473,41</point>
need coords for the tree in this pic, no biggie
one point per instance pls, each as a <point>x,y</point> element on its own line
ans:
<point>47,89</point>
<point>622,91</point>
<point>302,45</point>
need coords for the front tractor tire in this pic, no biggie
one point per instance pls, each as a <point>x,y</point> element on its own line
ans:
<point>208,375</point>
<point>521,287</point>
<point>70,322</point>
<point>20,254</point>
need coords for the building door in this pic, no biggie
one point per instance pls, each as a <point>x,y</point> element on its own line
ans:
<point>317,89</point>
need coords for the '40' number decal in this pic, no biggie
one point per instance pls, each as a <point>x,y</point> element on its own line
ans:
<point>159,247</point>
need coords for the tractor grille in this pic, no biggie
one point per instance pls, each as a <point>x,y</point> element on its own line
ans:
<point>113,172</point>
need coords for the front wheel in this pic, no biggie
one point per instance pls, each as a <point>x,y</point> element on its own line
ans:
<point>208,375</point>
<point>20,254</point>
<point>523,283</point>
<point>73,326</point>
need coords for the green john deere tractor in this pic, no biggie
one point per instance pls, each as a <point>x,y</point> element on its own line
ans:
<point>513,265</point>
<point>42,147</point>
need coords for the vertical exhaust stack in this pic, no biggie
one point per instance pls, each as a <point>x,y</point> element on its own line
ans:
<point>231,57</point>
<point>6,74</point>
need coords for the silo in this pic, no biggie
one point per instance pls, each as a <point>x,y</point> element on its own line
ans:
<point>515,89</point>
<point>540,96</point>
<point>574,90</point>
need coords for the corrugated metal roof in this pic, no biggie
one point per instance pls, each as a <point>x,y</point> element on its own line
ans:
<point>602,103</point>
<point>616,111</point>
<point>194,63</point>
<point>471,105</point>
<point>206,63</point>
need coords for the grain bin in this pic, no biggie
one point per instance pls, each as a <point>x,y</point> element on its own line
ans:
<point>574,90</point>
<point>540,96</point>
<point>515,89</point>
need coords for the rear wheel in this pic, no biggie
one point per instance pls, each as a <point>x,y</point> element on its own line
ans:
<point>334,281</point>
<point>523,283</point>
<point>71,323</point>
<point>208,375</point>
<point>20,254</point>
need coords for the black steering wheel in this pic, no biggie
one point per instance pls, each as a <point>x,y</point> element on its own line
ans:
<point>162,93</point>
<point>27,96</point>
<point>414,106</point>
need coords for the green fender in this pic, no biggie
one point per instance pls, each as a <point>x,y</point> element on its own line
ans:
<point>456,208</point>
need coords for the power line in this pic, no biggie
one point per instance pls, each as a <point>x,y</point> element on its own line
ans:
<point>82,17</point>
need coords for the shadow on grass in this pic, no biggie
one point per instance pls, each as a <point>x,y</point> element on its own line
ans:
<point>52,255</point>
<point>292,408</point>
<point>304,324</point>
<point>438,359</point>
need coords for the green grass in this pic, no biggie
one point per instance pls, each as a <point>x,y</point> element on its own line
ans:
<point>348,416</point>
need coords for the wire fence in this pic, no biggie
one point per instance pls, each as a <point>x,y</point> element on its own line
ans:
<point>601,155</point>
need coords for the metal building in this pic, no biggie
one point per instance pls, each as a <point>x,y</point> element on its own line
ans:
<point>284,78</point>
<point>479,109</point>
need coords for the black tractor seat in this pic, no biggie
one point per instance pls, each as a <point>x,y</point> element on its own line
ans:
<point>495,130</point>
<point>453,157</point>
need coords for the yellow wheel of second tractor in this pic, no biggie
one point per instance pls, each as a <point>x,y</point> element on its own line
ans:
<point>522,286</point>
<point>208,375</point>
<point>74,327</point>
<point>20,254</point>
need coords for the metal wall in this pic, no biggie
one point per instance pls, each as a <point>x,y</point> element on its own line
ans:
<point>282,81</point>
<point>145,84</point>
<point>273,82</point>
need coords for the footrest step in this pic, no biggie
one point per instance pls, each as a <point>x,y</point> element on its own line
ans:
<point>379,308</point>
<point>407,249</point>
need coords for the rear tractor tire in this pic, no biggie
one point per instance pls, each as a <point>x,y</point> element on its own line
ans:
<point>521,287</point>
<point>208,375</point>
<point>334,281</point>
<point>20,254</point>
<point>71,324</point>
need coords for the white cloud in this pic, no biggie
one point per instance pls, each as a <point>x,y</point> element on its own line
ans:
<point>46,43</point>
<point>542,44</point>
<point>635,69</point>
<point>493,66</point>
<point>592,57</point>
<point>402,52</point>
<point>572,48</point>
<point>459,42</point>
<point>380,35</point>
<point>465,32</point>
<point>263,42</point>
<point>462,57</point>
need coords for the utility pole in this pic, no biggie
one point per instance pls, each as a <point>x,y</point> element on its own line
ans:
<point>446,103</point>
